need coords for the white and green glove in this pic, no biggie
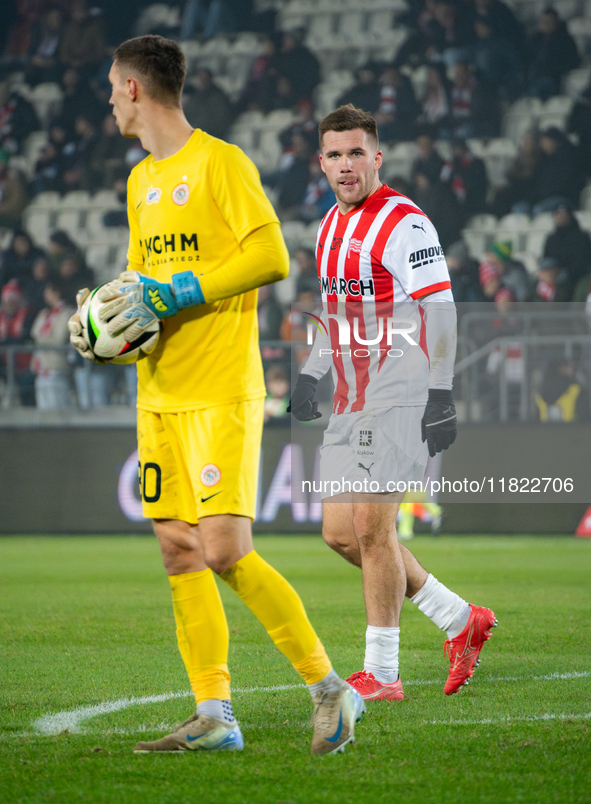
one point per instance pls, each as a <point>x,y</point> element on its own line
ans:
<point>135,300</point>
<point>77,337</point>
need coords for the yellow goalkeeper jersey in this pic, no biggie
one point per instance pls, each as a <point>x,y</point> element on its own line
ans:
<point>192,211</point>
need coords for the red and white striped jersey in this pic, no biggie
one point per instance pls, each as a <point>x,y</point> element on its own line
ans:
<point>374,264</point>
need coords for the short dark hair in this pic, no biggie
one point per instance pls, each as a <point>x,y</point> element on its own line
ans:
<point>348,118</point>
<point>160,65</point>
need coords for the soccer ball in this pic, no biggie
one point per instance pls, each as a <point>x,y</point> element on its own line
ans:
<point>114,348</point>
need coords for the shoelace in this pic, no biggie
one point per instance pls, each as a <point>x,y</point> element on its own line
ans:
<point>448,646</point>
<point>361,675</point>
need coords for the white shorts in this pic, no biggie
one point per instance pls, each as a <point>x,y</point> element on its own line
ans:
<point>373,451</point>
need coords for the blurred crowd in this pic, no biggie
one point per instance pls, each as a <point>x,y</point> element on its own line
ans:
<point>479,57</point>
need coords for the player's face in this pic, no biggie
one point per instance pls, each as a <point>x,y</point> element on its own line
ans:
<point>351,161</point>
<point>122,102</point>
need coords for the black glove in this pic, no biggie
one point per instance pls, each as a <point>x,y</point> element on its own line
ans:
<point>439,426</point>
<point>302,403</point>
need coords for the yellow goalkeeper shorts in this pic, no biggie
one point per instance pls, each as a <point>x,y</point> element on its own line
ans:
<point>200,463</point>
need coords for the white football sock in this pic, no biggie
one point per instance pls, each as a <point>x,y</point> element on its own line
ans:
<point>442,606</point>
<point>330,683</point>
<point>381,653</point>
<point>214,707</point>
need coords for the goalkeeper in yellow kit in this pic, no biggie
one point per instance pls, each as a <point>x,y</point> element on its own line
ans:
<point>203,237</point>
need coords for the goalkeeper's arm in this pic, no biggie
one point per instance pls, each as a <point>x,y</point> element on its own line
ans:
<point>138,299</point>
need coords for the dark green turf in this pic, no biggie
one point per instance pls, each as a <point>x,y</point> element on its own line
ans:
<point>88,620</point>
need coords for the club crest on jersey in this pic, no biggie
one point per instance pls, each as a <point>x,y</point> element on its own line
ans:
<point>336,243</point>
<point>365,438</point>
<point>180,194</point>
<point>354,246</point>
<point>153,195</point>
<point>210,474</point>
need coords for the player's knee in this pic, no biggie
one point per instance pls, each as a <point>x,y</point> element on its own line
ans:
<point>335,540</point>
<point>369,530</point>
<point>177,539</point>
<point>220,560</point>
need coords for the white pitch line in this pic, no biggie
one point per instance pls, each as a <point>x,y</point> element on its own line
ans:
<point>72,719</point>
<point>509,719</point>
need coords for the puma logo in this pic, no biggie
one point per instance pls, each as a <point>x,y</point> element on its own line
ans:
<point>367,468</point>
<point>416,226</point>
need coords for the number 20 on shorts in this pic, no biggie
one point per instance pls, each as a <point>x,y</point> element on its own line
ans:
<point>150,479</point>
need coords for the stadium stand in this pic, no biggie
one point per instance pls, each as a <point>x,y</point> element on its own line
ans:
<point>253,62</point>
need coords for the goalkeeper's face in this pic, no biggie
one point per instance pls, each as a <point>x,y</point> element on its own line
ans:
<point>123,93</point>
<point>351,160</point>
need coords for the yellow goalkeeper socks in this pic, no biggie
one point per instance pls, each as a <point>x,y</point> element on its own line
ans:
<point>278,607</point>
<point>202,633</point>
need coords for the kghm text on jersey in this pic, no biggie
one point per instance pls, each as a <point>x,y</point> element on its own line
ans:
<point>162,244</point>
<point>426,256</point>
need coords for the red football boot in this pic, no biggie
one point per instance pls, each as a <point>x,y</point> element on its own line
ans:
<point>371,689</point>
<point>463,651</point>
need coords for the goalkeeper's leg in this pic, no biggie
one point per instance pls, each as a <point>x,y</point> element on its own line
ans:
<point>202,630</point>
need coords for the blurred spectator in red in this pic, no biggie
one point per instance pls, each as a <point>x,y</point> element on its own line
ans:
<point>465,175</point>
<point>16,319</point>
<point>499,270</point>
<point>475,110</point>
<point>17,120</point>
<point>83,43</point>
<point>207,106</point>
<point>18,260</point>
<point>435,103</point>
<point>365,94</point>
<point>50,328</point>
<point>551,54</point>
<point>569,245</point>
<point>13,194</point>
<point>298,65</point>
<point>559,178</point>
<point>46,36</point>
<point>397,109</point>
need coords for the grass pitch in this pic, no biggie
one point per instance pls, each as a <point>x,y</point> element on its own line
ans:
<point>86,622</point>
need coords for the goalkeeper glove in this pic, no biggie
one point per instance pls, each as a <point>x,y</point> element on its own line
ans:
<point>302,403</point>
<point>137,299</point>
<point>77,338</point>
<point>439,425</point>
